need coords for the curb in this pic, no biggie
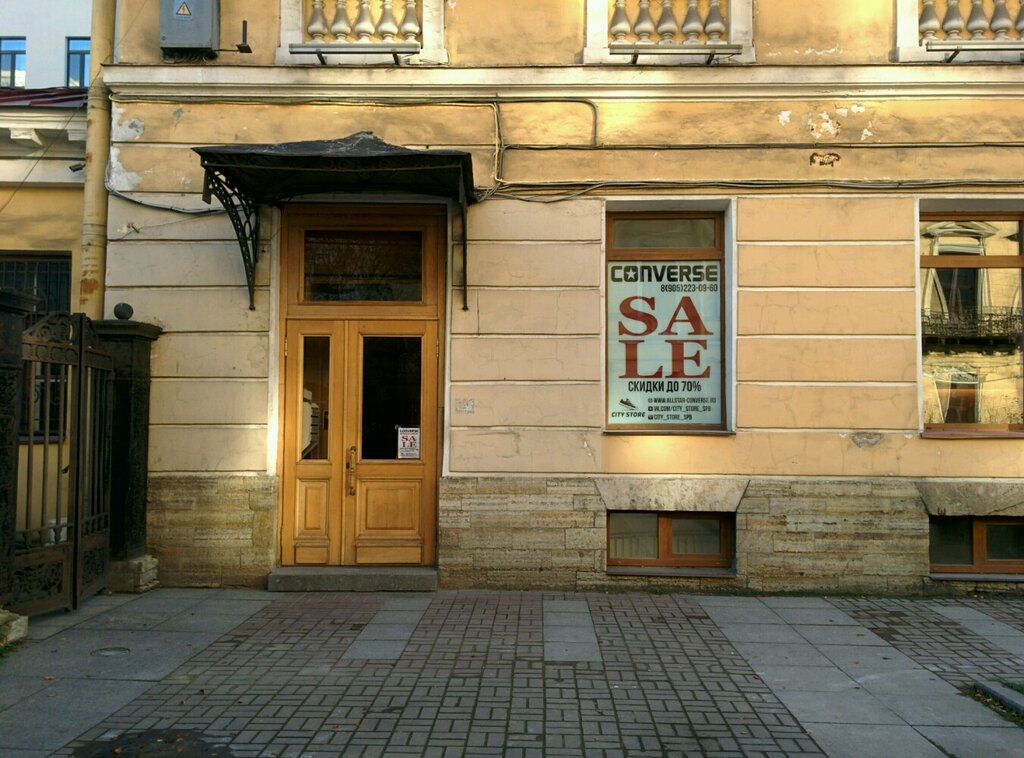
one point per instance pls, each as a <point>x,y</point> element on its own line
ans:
<point>1010,699</point>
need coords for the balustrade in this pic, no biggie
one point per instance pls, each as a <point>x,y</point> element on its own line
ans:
<point>984,24</point>
<point>689,23</point>
<point>363,22</point>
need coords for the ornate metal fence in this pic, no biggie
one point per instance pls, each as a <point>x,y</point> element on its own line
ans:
<point>61,549</point>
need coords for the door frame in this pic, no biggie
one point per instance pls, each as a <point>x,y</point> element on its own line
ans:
<point>433,222</point>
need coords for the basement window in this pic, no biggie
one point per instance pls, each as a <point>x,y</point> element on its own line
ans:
<point>698,540</point>
<point>965,544</point>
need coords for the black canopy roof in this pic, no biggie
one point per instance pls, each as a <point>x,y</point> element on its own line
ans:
<point>268,174</point>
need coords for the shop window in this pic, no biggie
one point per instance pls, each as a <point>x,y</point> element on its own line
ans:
<point>77,62</point>
<point>665,322</point>
<point>12,61</point>
<point>976,545</point>
<point>700,540</point>
<point>971,269</point>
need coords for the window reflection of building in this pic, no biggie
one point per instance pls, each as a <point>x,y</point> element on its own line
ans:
<point>971,321</point>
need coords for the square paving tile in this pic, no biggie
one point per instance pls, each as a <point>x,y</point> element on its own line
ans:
<point>805,678</point>
<point>863,659</point>
<point>816,616</point>
<point>566,606</point>
<point>993,742</point>
<point>843,707</point>
<point>798,602</point>
<point>374,649</point>
<point>742,614</point>
<point>838,635</point>
<point>943,710</point>
<point>906,682</point>
<point>856,741</point>
<point>571,651</point>
<point>759,654</point>
<point>559,618</point>
<point>761,633</point>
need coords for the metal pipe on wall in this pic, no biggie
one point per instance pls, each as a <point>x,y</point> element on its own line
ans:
<point>93,263</point>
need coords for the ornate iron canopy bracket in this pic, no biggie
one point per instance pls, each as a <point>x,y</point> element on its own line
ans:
<point>245,218</point>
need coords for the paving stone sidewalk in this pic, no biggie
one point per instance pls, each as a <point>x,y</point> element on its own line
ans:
<point>239,673</point>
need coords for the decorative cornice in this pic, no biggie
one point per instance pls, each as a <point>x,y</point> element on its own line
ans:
<point>728,83</point>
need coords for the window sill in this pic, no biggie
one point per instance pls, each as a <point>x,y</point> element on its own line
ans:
<point>675,432</point>
<point>1011,578</point>
<point>967,434</point>
<point>673,571</point>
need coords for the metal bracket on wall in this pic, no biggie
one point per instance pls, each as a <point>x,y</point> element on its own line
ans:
<point>245,218</point>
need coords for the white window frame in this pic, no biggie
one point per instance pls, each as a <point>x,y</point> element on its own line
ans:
<point>741,32</point>
<point>293,22</point>
<point>909,48</point>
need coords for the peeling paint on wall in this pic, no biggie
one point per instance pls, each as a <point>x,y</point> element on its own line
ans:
<point>118,177</point>
<point>824,127</point>
<point>784,117</point>
<point>825,160</point>
<point>125,131</point>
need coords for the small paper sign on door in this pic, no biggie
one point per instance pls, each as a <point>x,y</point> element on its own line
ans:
<point>408,442</point>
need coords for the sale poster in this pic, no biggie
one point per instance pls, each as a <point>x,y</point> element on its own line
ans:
<point>665,344</point>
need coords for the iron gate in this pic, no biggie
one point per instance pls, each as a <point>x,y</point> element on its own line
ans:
<point>61,551</point>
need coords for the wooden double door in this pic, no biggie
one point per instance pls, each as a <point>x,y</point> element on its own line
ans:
<point>361,382</point>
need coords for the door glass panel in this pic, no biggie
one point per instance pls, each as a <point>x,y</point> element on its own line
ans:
<point>345,266</point>
<point>391,393</point>
<point>692,535</point>
<point>316,395</point>
<point>633,535</point>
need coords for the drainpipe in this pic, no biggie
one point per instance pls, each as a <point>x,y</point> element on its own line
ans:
<point>92,274</point>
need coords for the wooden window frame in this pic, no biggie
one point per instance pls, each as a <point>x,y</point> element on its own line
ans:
<point>981,563</point>
<point>716,252</point>
<point>978,262</point>
<point>666,558</point>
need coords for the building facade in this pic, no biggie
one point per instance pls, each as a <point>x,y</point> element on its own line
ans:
<point>600,293</point>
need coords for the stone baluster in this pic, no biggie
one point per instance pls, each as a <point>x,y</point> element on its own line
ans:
<point>693,27</point>
<point>977,24</point>
<point>929,23</point>
<point>317,26</point>
<point>714,26</point>
<point>620,27</point>
<point>1001,21</point>
<point>364,22</point>
<point>644,26</point>
<point>953,23</point>
<point>341,27</point>
<point>387,27</point>
<point>1020,21</point>
<point>668,27</point>
<point>410,28</point>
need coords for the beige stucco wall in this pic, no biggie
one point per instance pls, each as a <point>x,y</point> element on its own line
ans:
<point>822,291</point>
<point>541,32</point>
<point>41,218</point>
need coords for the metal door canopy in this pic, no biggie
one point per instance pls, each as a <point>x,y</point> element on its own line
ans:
<point>244,177</point>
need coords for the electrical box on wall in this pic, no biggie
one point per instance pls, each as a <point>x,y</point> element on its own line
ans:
<point>190,27</point>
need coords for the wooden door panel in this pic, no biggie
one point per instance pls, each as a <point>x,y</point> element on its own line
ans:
<point>312,521</point>
<point>388,508</point>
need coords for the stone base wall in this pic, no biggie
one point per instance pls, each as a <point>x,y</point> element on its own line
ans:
<point>213,531</point>
<point>851,535</point>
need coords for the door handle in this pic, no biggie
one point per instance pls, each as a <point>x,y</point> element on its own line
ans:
<point>350,467</point>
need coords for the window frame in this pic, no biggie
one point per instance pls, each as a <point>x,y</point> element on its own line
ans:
<point>9,61</point>
<point>716,252</point>
<point>964,260</point>
<point>81,62</point>
<point>667,559</point>
<point>981,563</point>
